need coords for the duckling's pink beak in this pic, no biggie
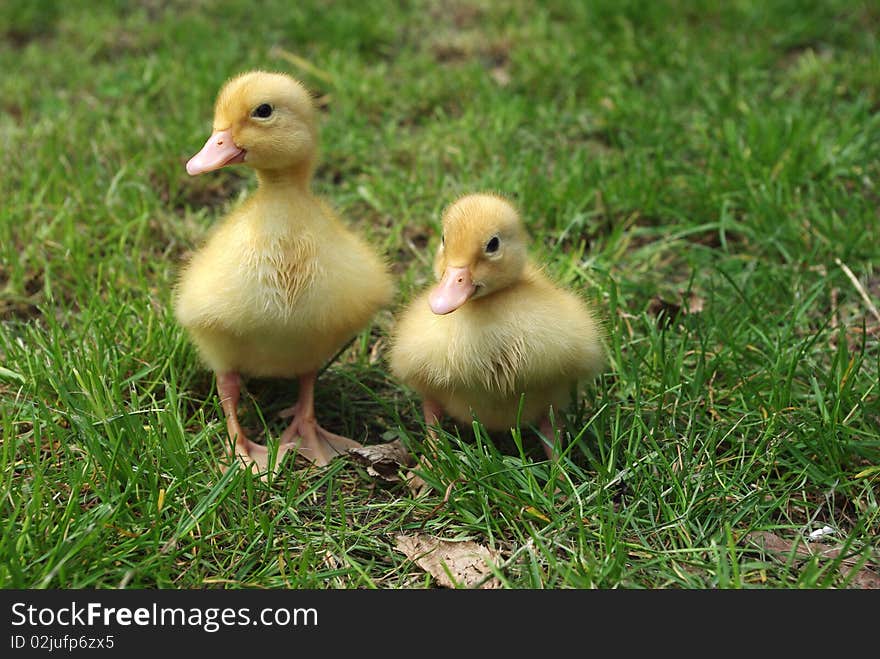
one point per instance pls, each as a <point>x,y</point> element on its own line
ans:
<point>454,290</point>
<point>218,152</point>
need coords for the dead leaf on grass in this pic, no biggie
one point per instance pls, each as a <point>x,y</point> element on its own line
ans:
<point>667,312</point>
<point>452,564</point>
<point>772,542</point>
<point>383,460</point>
<point>865,577</point>
<point>501,75</point>
<point>693,303</point>
<point>416,484</point>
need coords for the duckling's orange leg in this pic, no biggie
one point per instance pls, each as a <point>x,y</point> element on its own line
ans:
<point>229,389</point>
<point>548,441</point>
<point>314,443</point>
<point>433,413</point>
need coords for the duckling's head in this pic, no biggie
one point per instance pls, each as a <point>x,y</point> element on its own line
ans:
<point>482,250</point>
<point>265,120</point>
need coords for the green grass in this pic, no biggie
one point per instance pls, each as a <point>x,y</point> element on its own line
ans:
<point>659,151</point>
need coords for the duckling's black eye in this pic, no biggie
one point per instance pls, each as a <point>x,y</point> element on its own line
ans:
<point>493,245</point>
<point>442,241</point>
<point>262,111</point>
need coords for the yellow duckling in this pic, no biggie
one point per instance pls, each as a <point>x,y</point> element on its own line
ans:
<point>281,284</point>
<point>494,327</point>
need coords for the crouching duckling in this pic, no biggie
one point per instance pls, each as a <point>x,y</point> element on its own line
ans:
<point>495,329</point>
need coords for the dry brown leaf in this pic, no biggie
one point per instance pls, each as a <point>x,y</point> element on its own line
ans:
<point>452,564</point>
<point>693,303</point>
<point>668,312</point>
<point>500,75</point>
<point>771,542</point>
<point>416,484</point>
<point>383,460</point>
<point>864,578</point>
<point>330,560</point>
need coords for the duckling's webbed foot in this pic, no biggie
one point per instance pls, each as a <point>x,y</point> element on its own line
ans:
<point>313,442</point>
<point>305,435</point>
<point>257,457</point>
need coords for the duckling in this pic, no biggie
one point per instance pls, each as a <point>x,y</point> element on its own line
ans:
<point>281,284</point>
<point>494,328</point>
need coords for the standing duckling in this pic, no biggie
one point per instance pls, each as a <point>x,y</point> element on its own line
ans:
<point>494,327</point>
<point>281,284</point>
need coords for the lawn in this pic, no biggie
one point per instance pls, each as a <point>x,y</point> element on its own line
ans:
<point>705,173</point>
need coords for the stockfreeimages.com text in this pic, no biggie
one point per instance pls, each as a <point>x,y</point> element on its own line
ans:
<point>95,614</point>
